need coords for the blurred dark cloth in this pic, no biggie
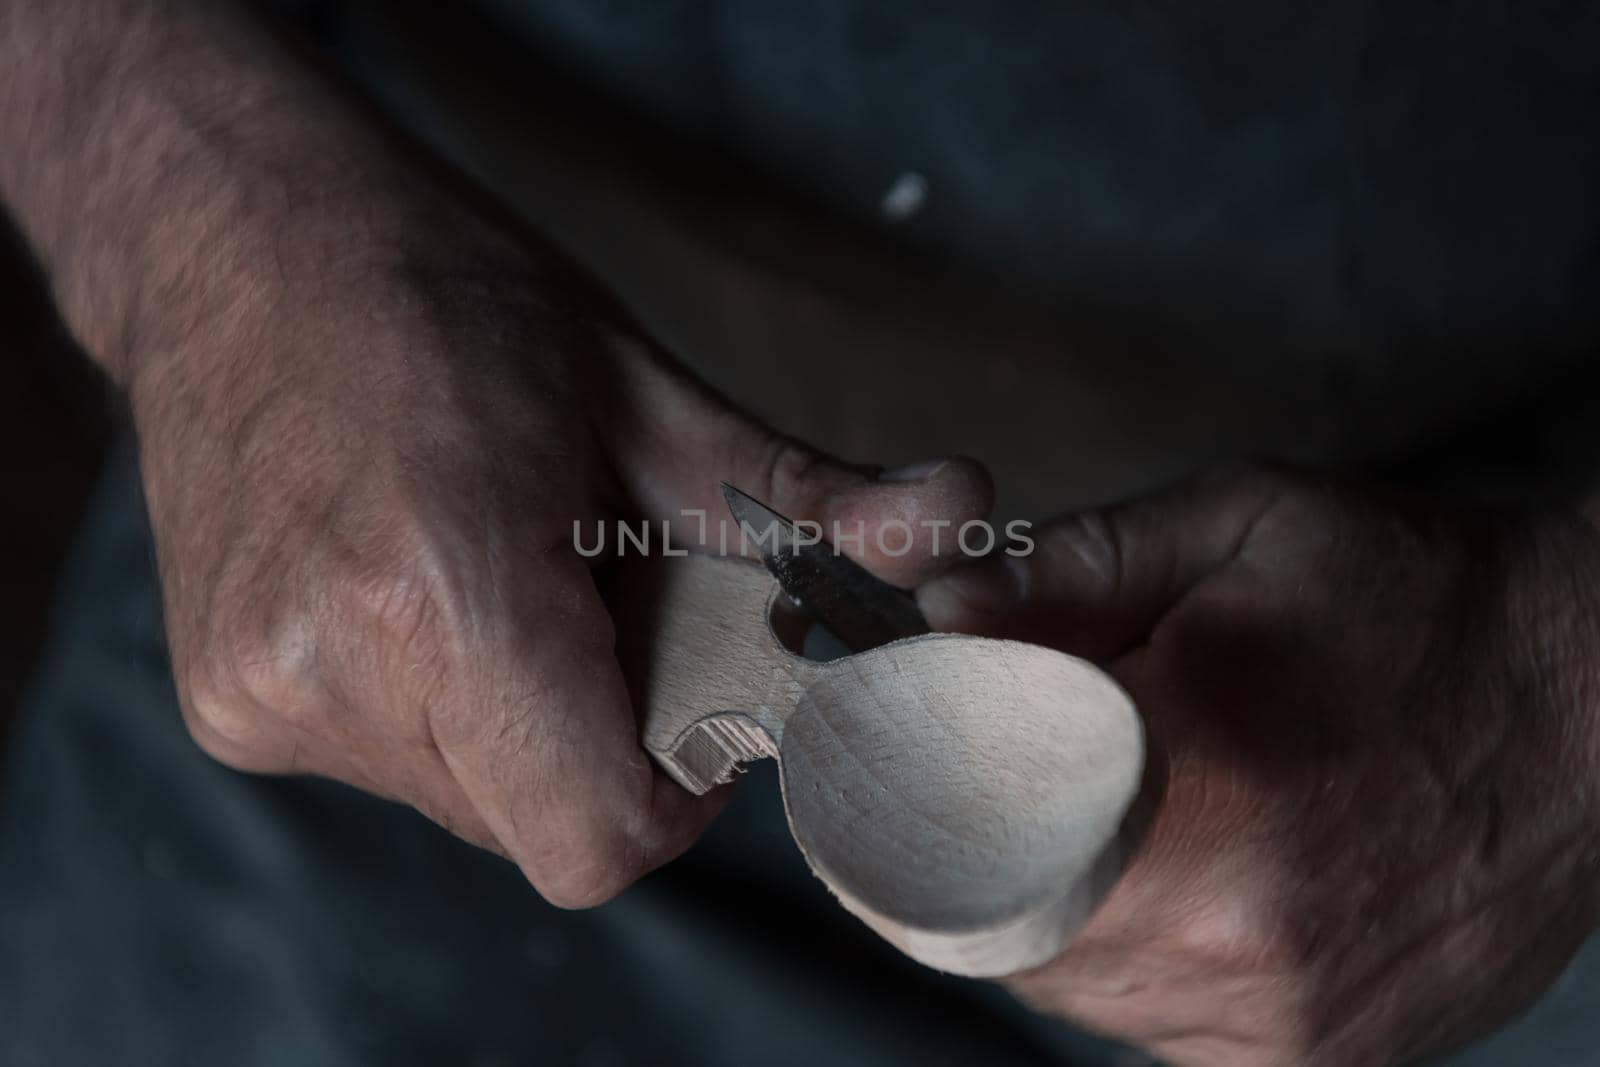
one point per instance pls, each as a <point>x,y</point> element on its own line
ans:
<point>1384,171</point>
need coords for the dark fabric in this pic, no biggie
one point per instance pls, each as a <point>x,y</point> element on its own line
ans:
<point>1388,172</point>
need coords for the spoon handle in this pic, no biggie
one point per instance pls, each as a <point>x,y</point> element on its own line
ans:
<point>714,684</point>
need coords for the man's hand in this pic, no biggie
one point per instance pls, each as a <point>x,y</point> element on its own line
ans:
<point>370,412</point>
<point>364,490</point>
<point>1380,721</point>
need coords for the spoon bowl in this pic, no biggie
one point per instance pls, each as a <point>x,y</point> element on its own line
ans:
<point>963,796</point>
<point>967,798</point>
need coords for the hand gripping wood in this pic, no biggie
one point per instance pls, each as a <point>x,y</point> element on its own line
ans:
<point>964,797</point>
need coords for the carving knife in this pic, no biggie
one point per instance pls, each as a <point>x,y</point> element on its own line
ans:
<point>860,609</point>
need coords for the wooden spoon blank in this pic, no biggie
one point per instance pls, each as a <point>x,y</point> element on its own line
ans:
<point>964,797</point>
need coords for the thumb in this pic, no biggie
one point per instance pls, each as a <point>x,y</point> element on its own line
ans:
<point>1096,583</point>
<point>681,439</point>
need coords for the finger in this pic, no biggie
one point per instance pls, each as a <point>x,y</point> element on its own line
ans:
<point>543,741</point>
<point>1097,582</point>
<point>397,769</point>
<point>324,734</point>
<point>676,439</point>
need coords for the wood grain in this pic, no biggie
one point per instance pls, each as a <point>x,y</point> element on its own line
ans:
<point>965,797</point>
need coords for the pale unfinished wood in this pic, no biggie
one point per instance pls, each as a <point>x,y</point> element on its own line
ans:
<point>965,797</point>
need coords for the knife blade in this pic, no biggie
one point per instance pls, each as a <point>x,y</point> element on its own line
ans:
<point>862,610</point>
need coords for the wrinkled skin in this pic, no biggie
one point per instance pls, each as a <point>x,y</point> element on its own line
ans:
<point>366,434</point>
<point>1378,722</point>
<point>370,409</point>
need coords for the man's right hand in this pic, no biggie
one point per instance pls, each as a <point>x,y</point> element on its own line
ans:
<point>370,412</point>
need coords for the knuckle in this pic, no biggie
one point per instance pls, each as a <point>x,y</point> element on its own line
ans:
<point>1263,499</point>
<point>1244,937</point>
<point>397,610</point>
<point>586,883</point>
<point>268,678</point>
<point>212,726</point>
<point>1088,540</point>
<point>225,720</point>
<point>601,856</point>
<point>240,687</point>
<point>786,468</point>
<point>377,642</point>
